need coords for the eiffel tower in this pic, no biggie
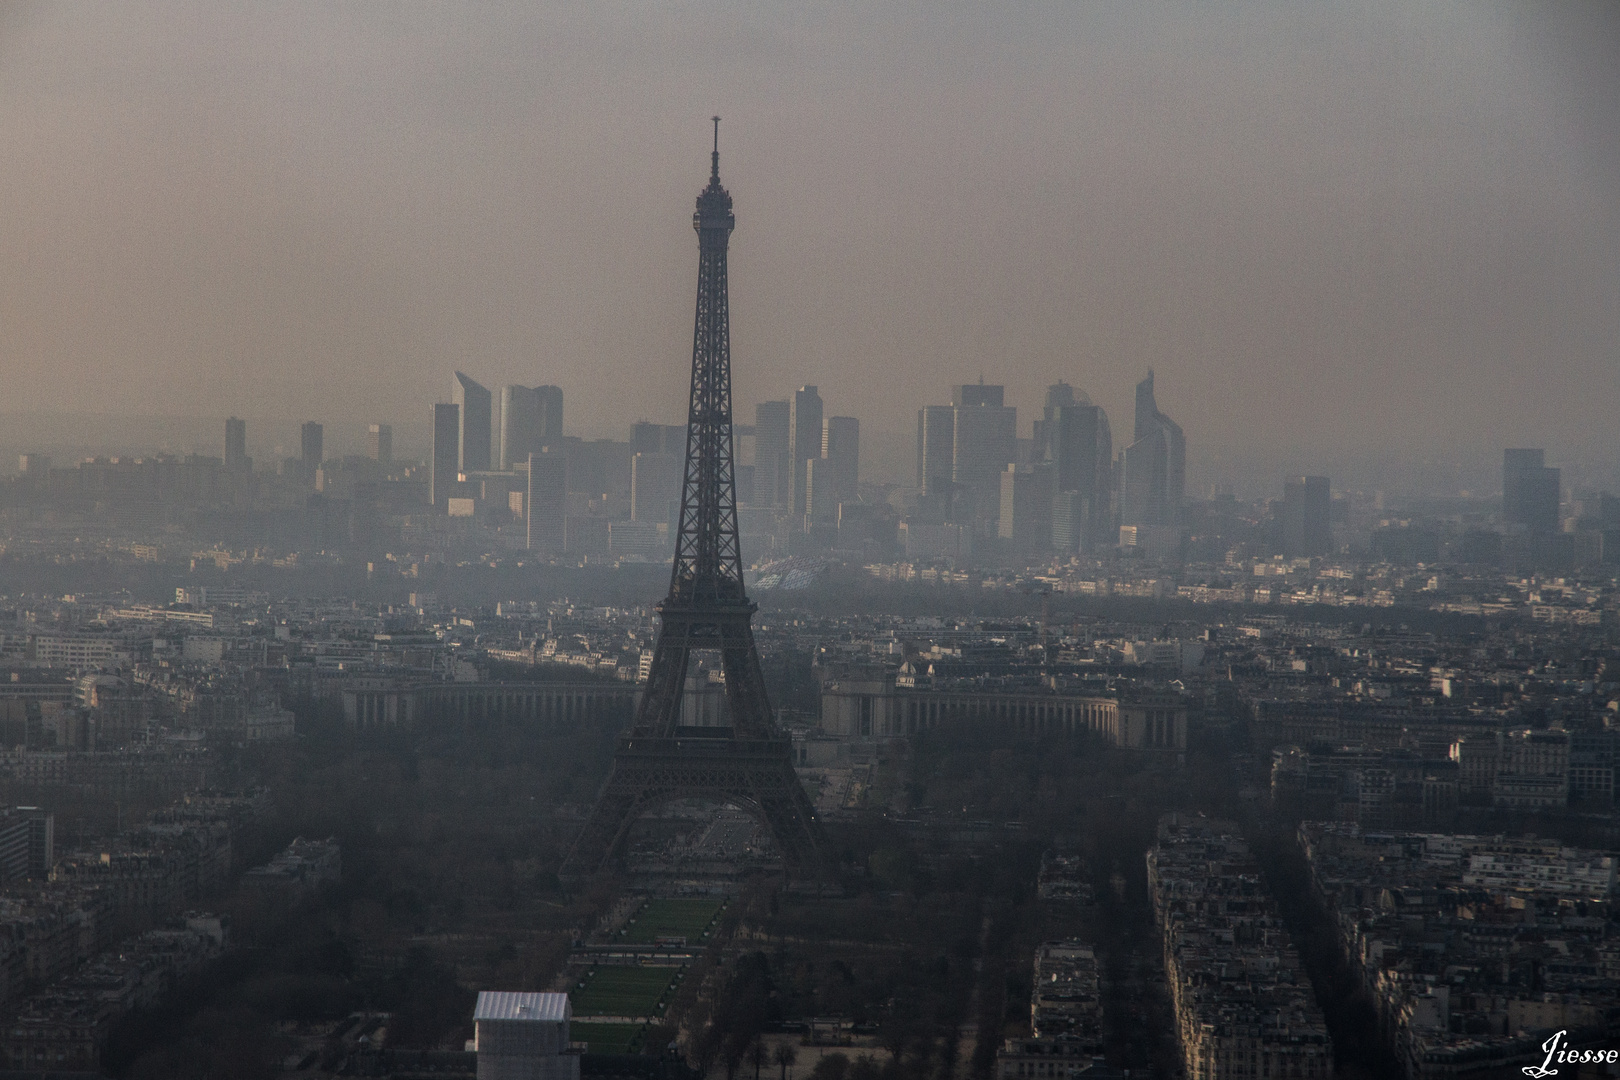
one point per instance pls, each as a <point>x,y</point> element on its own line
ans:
<point>748,764</point>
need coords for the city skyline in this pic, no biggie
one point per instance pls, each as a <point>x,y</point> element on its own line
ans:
<point>1147,605</point>
<point>886,456</point>
<point>1441,294</point>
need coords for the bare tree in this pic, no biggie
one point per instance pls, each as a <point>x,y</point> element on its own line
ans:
<point>731,1056</point>
<point>785,1055</point>
<point>758,1056</point>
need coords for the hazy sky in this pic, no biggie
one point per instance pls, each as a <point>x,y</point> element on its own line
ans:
<point>1334,230</point>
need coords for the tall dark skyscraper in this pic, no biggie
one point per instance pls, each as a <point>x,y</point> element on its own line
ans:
<point>936,449</point>
<point>1080,446</point>
<point>1025,518</point>
<point>550,401</point>
<point>821,499</point>
<point>1058,395</point>
<point>655,487</point>
<point>531,419</point>
<point>236,459</point>
<point>984,443</point>
<point>1530,490</point>
<point>805,429</point>
<point>446,454</point>
<point>380,443</point>
<point>1153,468</point>
<point>841,450</point>
<point>547,501</point>
<point>707,609</point>
<point>1305,517</point>
<point>476,404</point>
<point>313,436</point>
<point>773,465</point>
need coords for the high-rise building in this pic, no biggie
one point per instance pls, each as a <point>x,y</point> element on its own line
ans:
<point>977,395</point>
<point>1071,521</point>
<point>1080,447</point>
<point>531,419</point>
<point>13,848</point>
<point>27,844</point>
<point>599,468</point>
<point>446,454</point>
<point>547,502</point>
<point>805,427</point>
<point>236,459</point>
<point>1153,468</point>
<point>773,459</point>
<point>841,448</point>
<point>551,411</point>
<point>650,438</point>
<point>936,449</point>
<point>1530,491</point>
<point>312,436</point>
<point>41,840</point>
<point>984,443</point>
<point>476,404</point>
<point>380,443</point>
<point>519,422</point>
<point>1305,517</point>
<point>1058,395</point>
<point>1025,517</point>
<point>655,487</point>
<point>821,491</point>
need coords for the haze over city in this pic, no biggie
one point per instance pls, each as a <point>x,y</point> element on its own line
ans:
<point>666,541</point>
<point>1351,240</point>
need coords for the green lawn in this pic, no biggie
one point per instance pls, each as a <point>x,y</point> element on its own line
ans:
<point>623,991</point>
<point>607,1038</point>
<point>672,918</point>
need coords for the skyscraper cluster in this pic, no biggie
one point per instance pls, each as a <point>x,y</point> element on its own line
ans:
<point>471,438</point>
<point>798,474</point>
<point>512,467</point>
<point>982,491</point>
<point>306,467</point>
<point>606,497</point>
<point>320,500</point>
<point>806,464</point>
<point>1062,490</point>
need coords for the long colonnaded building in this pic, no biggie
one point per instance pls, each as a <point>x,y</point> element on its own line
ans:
<point>880,709</point>
<point>388,703</point>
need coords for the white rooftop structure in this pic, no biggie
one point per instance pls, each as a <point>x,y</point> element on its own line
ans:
<point>517,1005</point>
<point>523,1036</point>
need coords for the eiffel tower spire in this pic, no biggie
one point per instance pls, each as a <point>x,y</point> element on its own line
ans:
<point>708,555</point>
<point>749,763</point>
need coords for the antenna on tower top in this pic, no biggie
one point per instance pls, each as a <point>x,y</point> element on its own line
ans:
<point>714,160</point>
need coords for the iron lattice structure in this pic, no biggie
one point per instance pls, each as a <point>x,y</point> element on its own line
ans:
<point>749,763</point>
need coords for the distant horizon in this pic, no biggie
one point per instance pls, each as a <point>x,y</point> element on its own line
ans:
<point>1343,232</point>
<point>887,456</point>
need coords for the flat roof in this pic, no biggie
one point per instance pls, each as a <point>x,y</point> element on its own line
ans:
<point>517,1005</point>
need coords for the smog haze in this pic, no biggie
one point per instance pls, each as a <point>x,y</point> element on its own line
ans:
<point>1336,233</point>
